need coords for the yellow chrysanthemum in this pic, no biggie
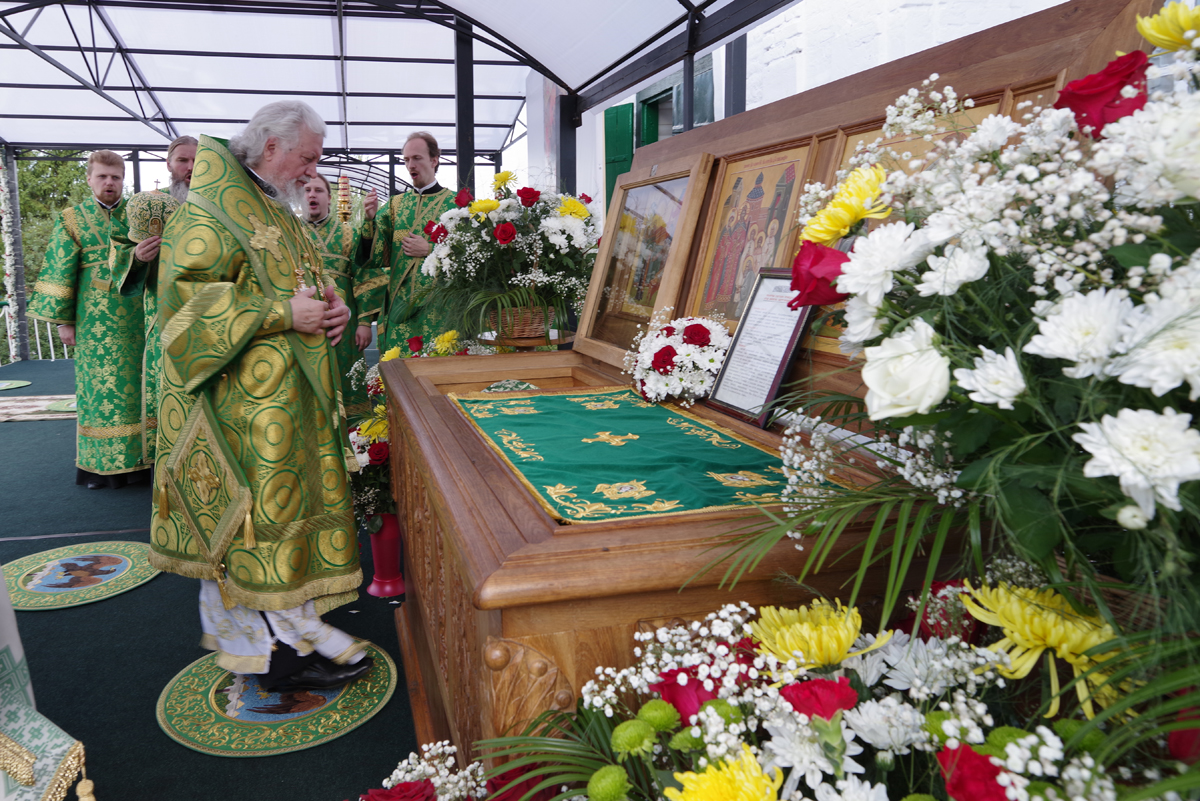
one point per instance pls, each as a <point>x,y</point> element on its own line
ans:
<point>739,779</point>
<point>573,208</point>
<point>446,343</point>
<point>483,206</point>
<point>503,179</point>
<point>857,198</point>
<point>1166,29</point>
<point>376,428</point>
<point>1034,621</point>
<point>816,635</point>
<point>388,355</point>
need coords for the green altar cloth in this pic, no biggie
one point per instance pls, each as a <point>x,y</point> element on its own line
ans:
<point>607,454</point>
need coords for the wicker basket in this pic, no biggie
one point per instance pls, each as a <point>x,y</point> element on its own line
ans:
<point>523,321</point>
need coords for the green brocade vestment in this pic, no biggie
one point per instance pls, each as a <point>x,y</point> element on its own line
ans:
<point>134,278</point>
<point>393,284</point>
<point>343,249</point>
<point>75,288</point>
<point>251,487</point>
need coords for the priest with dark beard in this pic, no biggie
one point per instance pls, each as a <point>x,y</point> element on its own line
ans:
<point>134,266</point>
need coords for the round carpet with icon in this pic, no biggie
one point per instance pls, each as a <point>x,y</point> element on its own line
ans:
<point>208,709</point>
<point>77,574</point>
<point>12,385</point>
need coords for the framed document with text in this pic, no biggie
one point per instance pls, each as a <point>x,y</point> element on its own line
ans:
<point>762,350</point>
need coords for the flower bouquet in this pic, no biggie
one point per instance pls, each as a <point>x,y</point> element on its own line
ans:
<point>800,703</point>
<point>680,359</point>
<point>448,343</point>
<point>521,254</point>
<point>1027,305</point>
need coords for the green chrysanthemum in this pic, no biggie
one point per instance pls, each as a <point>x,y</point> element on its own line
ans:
<point>659,714</point>
<point>632,737</point>
<point>608,784</point>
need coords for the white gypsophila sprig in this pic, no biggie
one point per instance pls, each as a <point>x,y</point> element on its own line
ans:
<point>1150,453</point>
<point>438,764</point>
<point>807,466</point>
<point>968,717</point>
<point>852,788</point>
<point>922,467</point>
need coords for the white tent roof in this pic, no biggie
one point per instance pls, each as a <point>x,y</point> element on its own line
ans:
<point>136,73</point>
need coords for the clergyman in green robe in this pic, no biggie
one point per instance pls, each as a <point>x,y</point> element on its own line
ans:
<point>393,288</point>
<point>251,493</point>
<point>107,330</point>
<point>135,274</point>
<point>344,248</point>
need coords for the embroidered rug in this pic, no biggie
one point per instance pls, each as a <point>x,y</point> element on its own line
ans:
<point>12,385</point>
<point>77,574</point>
<point>208,709</point>
<point>37,407</point>
<point>608,454</point>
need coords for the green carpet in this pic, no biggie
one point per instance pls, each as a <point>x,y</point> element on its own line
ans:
<point>98,671</point>
<point>210,710</point>
<point>46,377</point>
<point>77,574</point>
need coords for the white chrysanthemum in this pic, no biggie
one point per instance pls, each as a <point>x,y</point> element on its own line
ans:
<point>862,323</point>
<point>852,788</point>
<point>992,134</point>
<point>1150,453</point>
<point>1161,348</point>
<point>872,665</point>
<point>1154,153</point>
<point>1083,329</point>
<point>1183,285</point>
<point>877,256</point>
<point>995,378</point>
<point>889,724</point>
<point>794,745</point>
<point>948,273</point>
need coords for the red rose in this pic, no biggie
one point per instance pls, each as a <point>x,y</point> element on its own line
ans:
<point>970,776</point>
<point>378,453</point>
<point>496,784</point>
<point>820,698</point>
<point>429,226</point>
<point>463,198</point>
<point>668,330</point>
<point>686,698</point>
<point>528,196</point>
<point>405,791</point>
<point>813,272</point>
<point>1184,744</point>
<point>438,233</point>
<point>585,198</point>
<point>640,386</point>
<point>696,334</point>
<point>416,343</point>
<point>664,360</point>
<point>1097,100</point>
<point>505,233</point>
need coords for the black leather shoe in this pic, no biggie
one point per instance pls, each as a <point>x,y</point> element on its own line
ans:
<point>322,676</point>
<point>95,483</point>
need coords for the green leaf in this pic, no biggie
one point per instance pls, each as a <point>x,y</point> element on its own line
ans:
<point>972,433</point>
<point>1031,517</point>
<point>973,473</point>
<point>1131,255</point>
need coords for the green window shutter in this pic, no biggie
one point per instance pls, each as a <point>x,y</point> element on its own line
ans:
<point>649,127</point>
<point>618,146</point>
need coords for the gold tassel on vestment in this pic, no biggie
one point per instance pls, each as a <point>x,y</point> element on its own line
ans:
<point>164,505</point>
<point>248,531</point>
<point>226,601</point>
<point>86,789</point>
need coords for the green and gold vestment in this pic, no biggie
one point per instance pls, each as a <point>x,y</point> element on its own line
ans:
<point>134,278</point>
<point>251,487</point>
<point>392,283</point>
<point>344,250</point>
<point>76,288</point>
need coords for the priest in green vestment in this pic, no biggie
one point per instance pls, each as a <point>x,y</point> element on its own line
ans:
<point>107,330</point>
<point>344,248</point>
<point>134,264</point>
<point>392,291</point>
<point>251,493</point>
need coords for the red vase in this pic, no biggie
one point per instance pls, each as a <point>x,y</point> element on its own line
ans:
<point>385,550</point>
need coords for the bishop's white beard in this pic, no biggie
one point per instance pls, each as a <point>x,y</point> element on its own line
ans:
<point>179,190</point>
<point>293,195</point>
